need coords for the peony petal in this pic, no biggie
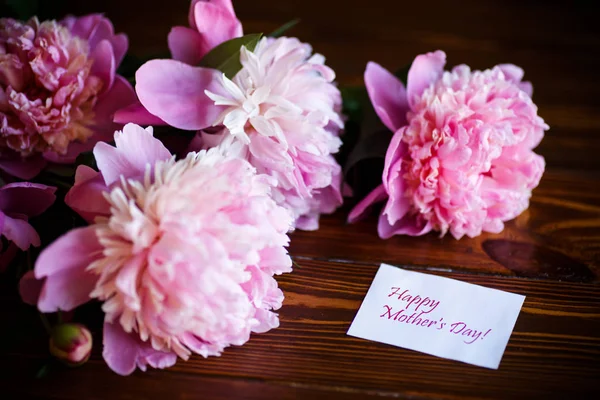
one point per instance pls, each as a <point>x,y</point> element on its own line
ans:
<point>63,264</point>
<point>135,148</point>
<point>388,96</point>
<point>104,63</point>
<point>23,168</point>
<point>225,4</point>
<point>102,31</point>
<point>140,146</point>
<point>82,26</point>
<point>86,196</point>
<point>112,163</point>
<point>30,199</point>
<point>120,43</point>
<point>137,114</point>
<point>120,95</point>
<point>20,233</point>
<point>425,69</point>
<point>186,45</point>
<point>216,24</point>
<point>73,250</point>
<point>512,72</point>
<point>409,225</point>
<point>174,92</point>
<point>360,210</point>
<point>30,288</point>
<point>395,151</point>
<point>124,351</point>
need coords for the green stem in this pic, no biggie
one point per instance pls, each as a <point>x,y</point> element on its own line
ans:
<point>46,323</point>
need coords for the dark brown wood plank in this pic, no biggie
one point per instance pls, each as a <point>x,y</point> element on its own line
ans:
<point>558,237</point>
<point>95,382</point>
<point>554,350</point>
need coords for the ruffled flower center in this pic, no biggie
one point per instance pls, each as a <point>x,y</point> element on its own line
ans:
<point>463,130</point>
<point>169,271</point>
<point>47,91</point>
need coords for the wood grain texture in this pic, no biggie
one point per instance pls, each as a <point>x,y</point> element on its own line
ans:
<point>554,350</point>
<point>558,237</point>
<point>551,253</point>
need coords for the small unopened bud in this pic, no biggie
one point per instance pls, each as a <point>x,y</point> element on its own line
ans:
<point>71,343</point>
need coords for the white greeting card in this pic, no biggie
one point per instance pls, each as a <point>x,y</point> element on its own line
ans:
<point>438,316</point>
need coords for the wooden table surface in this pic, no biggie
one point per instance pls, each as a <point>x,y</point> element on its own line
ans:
<point>551,253</point>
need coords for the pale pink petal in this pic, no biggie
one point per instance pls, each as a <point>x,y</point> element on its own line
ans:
<point>104,63</point>
<point>225,4</point>
<point>527,87</point>
<point>512,72</point>
<point>123,351</point>
<point>409,225</point>
<point>140,147</point>
<point>186,45</point>
<point>425,69</point>
<point>30,288</point>
<point>174,92</point>
<point>26,198</point>
<point>388,96</point>
<point>216,24</point>
<point>86,196</point>
<point>113,164</point>
<point>137,114</point>
<point>20,233</point>
<point>135,148</point>
<point>360,210</point>
<point>515,74</point>
<point>68,284</point>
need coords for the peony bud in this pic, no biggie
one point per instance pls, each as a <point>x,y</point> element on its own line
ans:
<point>71,344</point>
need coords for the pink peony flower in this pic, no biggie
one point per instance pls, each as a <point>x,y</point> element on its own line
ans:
<point>461,158</point>
<point>58,90</point>
<point>281,112</point>
<point>18,202</point>
<point>182,253</point>
<point>284,111</point>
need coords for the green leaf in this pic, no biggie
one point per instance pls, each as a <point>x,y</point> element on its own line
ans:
<point>284,28</point>
<point>226,56</point>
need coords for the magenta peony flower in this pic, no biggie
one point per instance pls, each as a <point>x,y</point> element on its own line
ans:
<point>58,90</point>
<point>182,253</point>
<point>461,158</point>
<point>18,202</point>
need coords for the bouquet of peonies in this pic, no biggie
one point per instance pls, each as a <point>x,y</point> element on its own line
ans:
<point>181,245</point>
